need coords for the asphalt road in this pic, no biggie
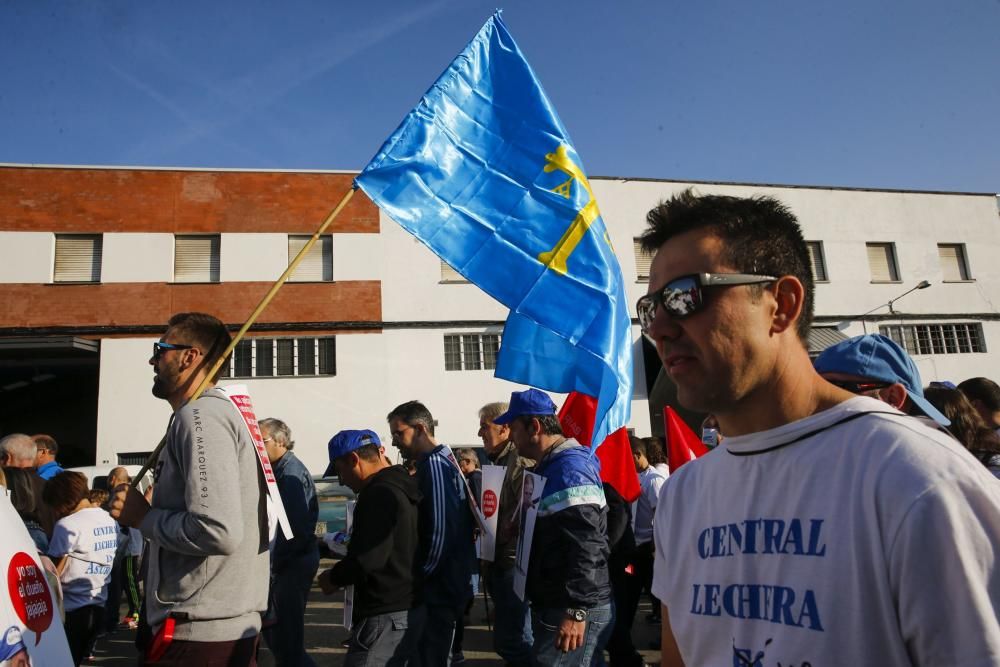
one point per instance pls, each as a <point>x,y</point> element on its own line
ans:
<point>324,632</point>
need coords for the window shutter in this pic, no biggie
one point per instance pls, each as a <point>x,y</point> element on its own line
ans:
<point>317,265</point>
<point>880,261</point>
<point>78,258</point>
<point>642,260</point>
<point>450,275</point>
<point>816,260</point>
<point>196,259</point>
<point>952,258</point>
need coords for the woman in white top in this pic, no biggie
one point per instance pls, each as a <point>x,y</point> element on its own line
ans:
<point>83,546</point>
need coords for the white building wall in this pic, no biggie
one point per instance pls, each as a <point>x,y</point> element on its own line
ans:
<point>252,257</point>
<point>131,258</point>
<point>26,257</point>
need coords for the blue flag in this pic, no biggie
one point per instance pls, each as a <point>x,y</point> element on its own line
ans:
<point>483,172</point>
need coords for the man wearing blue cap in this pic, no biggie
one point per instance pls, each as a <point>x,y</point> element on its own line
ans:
<point>382,555</point>
<point>873,365</point>
<point>447,543</point>
<point>568,583</point>
<point>827,528</point>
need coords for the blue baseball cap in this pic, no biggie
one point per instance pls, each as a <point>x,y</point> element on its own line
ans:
<point>527,402</point>
<point>346,442</point>
<point>875,357</point>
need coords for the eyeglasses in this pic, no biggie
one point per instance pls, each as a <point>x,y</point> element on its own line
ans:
<point>159,348</point>
<point>859,386</point>
<point>683,296</point>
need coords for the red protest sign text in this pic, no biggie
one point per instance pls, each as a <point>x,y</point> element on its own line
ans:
<point>29,594</point>
<point>489,503</point>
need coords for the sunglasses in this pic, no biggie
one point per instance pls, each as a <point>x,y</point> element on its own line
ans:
<point>160,348</point>
<point>859,387</point>
<point>683,296</point>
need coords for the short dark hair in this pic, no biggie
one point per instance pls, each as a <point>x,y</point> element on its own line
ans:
<point>64,492</point>
<point>369,453</point>
<point>206,332</point>
<point>637,444</point>
<point>984,390</point>
<point>413,412</point>
<point>655,450</point>
<point>550,423</point>
<point>760,235</point>
<point>46,442</point>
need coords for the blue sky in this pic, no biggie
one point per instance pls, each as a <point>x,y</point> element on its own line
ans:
<point>884,94</point>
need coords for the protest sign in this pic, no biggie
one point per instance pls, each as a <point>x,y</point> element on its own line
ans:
<point>31,632</point>
<point>531,493</point>
<point>490,505</point>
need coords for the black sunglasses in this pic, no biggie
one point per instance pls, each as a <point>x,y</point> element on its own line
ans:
<point>683,296</point>
<point>159,348</point>
<point>859,386</point>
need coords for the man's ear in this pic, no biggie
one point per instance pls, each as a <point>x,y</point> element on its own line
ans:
<point>894,395</point>
<point>536,427</point>
<point>788,294</point>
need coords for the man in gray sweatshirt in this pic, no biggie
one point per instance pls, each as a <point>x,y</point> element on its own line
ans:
<point>207,525</point>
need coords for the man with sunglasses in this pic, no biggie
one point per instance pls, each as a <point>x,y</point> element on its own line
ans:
<point>207,526</point>
<point>873,365</point>
<point>827,527</point>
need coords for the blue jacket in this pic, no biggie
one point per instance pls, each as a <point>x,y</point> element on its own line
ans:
<point>446,530</point>
<point>298,495</point>
<point>569,550</point>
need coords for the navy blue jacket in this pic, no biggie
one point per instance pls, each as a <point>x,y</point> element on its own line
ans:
<point>446,530</point>
<point>298,495</point>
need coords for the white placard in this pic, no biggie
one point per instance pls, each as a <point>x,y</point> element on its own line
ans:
<point>349,590</point>
<point>239,397</point>
<point>31,632</point>
<point>493,477</point>
<point>531,493</point>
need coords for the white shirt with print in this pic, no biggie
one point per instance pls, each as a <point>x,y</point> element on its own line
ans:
<point>89,538</point>
<point>869,540</point>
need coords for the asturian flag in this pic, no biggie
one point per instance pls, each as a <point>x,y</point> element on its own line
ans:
<point>483,172</point>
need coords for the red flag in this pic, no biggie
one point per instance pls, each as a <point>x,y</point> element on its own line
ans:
<point>615,454</point>
<point>682,443</point>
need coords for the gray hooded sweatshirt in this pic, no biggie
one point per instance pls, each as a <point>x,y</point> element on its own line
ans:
<point>207,526</point>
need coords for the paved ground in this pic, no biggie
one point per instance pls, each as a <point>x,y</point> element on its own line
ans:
<point>324,633</point>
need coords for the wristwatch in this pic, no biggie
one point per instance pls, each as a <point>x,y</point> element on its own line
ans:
<point>578,615</point>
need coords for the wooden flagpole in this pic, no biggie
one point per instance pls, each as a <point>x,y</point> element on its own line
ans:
<point>151,461</point>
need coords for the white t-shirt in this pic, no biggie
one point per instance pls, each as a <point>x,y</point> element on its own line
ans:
<point>90,538</point>
<point>650,482</point>
<point>870,542</point>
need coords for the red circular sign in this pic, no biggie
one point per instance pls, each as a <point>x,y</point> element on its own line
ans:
<point>489,503</point>
<point>29,593</point>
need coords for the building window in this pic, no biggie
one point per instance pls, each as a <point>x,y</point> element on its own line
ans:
<point>642,261</point>
<point>196,258</point>
<point>317,265</point>
<point>882,262</point>
<point>954,266</point>
<point>283,357</point>
<point>78,258</point>
<point>817,261</point>
<point>471,352</point>
<point>450,275</point>
<point>937,338</point>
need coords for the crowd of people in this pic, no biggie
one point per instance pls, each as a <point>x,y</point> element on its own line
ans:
<point>847,515</point>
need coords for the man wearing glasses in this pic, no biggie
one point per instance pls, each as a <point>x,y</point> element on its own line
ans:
<point>208,572</point>
<point>827,527</point>
<point>873,365</point>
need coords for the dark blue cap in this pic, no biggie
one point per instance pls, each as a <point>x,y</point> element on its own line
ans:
<point>527,402</point>
<point>875,357</point>
<point>346,442</point>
